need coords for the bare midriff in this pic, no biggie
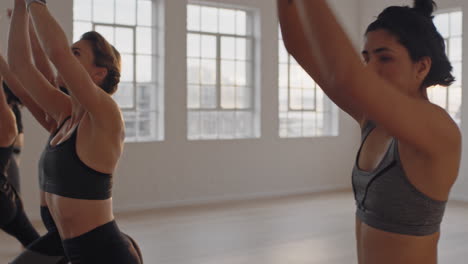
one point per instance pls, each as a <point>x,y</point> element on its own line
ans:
<point>377,246</point>
<point>75,217</point>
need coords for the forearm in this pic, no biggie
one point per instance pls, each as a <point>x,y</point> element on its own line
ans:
<point>40,58</point>
<point>49,32</point>
<point>294,39</point>
<point>19,51</point>
<point>337,60</point>
<point>17,88</point>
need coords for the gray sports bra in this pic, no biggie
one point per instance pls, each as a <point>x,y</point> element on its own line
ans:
<point>387,200</point>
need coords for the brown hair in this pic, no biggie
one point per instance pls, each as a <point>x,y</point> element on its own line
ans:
<point>106,56</point>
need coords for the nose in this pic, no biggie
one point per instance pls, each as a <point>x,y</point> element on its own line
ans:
<point>374,65</point>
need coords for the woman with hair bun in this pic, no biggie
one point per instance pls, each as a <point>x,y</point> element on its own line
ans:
<point>410,151</point>
<point>76,167</point>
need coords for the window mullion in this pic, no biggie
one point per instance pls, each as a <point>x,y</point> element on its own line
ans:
<point>218,72</point>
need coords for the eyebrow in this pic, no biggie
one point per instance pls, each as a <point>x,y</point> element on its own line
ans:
<point>376,51</point>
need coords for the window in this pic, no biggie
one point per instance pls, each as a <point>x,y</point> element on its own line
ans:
<point>449,25</point>
<point>220,82</point>
<point>304,110</point>
<point>130,25</point>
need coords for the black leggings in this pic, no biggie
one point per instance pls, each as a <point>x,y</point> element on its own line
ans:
<point>103,245</point>
<point>13,172</point>
<point>13,219</point>
<point>47,249</point>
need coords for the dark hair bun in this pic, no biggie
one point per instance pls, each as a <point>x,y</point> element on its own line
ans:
<point>424,7</point>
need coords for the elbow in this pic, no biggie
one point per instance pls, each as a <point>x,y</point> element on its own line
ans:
<point>290,47</point>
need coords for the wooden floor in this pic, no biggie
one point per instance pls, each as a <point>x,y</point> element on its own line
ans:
<point>310,229</point>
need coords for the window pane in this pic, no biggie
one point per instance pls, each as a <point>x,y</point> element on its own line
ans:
<point>283,99</point>
<point>241,23</point>
<point>209,19</point>
<point>144,40</point>
<point>193,96</point>
<point>456,22</point>
<point>457,72</point>
<point>193,124</point>
<point>455,49</point>
<point>442,23</point>
<point>439,96</point>
<point>227,124</point>
<point>209,128</point>
<point>146,126</point>
<point>125,12</point>
<point>103,11</point>
<point>146,97</point>
<point>144,68</point>
<point>193,18</point>
<point>228,72</point>
<point>193,45</point>
<point>208,71</point>
<point>319,107</point>
<point>107,33</point>
<point>241,49</point>
<point>244,126</point>
<point>127,68</point>
<point>295,124</point>
<point>145,13</point>
<point>241,73</point>
<point>228,48</point>
<point>130,124</point>
<point>283,53</point>
<point>79,28</point>
<point>208,45</point>
<point>124,40</point>
<point>295,74</point>
<point>283,76</point>
<point>228,18</point>
<point>295,101</point>
<point>455,99</point>
<point>193,71</point>
<point>309,124</point>
<point>82,10</point>
<point>208,96</point>
<point>125,95</point>
<point>308,100</point>
<point>244,95</point>
<point>228,97</point>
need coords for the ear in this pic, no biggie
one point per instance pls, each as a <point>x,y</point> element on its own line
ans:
<point>423,67</point>
<point>100,74</point>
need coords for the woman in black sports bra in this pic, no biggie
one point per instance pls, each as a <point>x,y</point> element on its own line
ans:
<point>77,164</point>
<point>411,148</point>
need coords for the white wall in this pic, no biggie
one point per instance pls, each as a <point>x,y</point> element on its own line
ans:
<point>371,8</point>
<point>177,171</point>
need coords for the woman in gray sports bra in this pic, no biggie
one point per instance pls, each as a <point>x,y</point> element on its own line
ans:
<point>410,148</point>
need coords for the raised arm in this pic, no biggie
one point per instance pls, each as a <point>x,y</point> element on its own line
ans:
<point>53,102</point>
<point>17,88</point>
<point>40,58</point>
<point>8,130</point>
<point>417,122</point>
<point>97,102</point>
<point>295,41</point>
